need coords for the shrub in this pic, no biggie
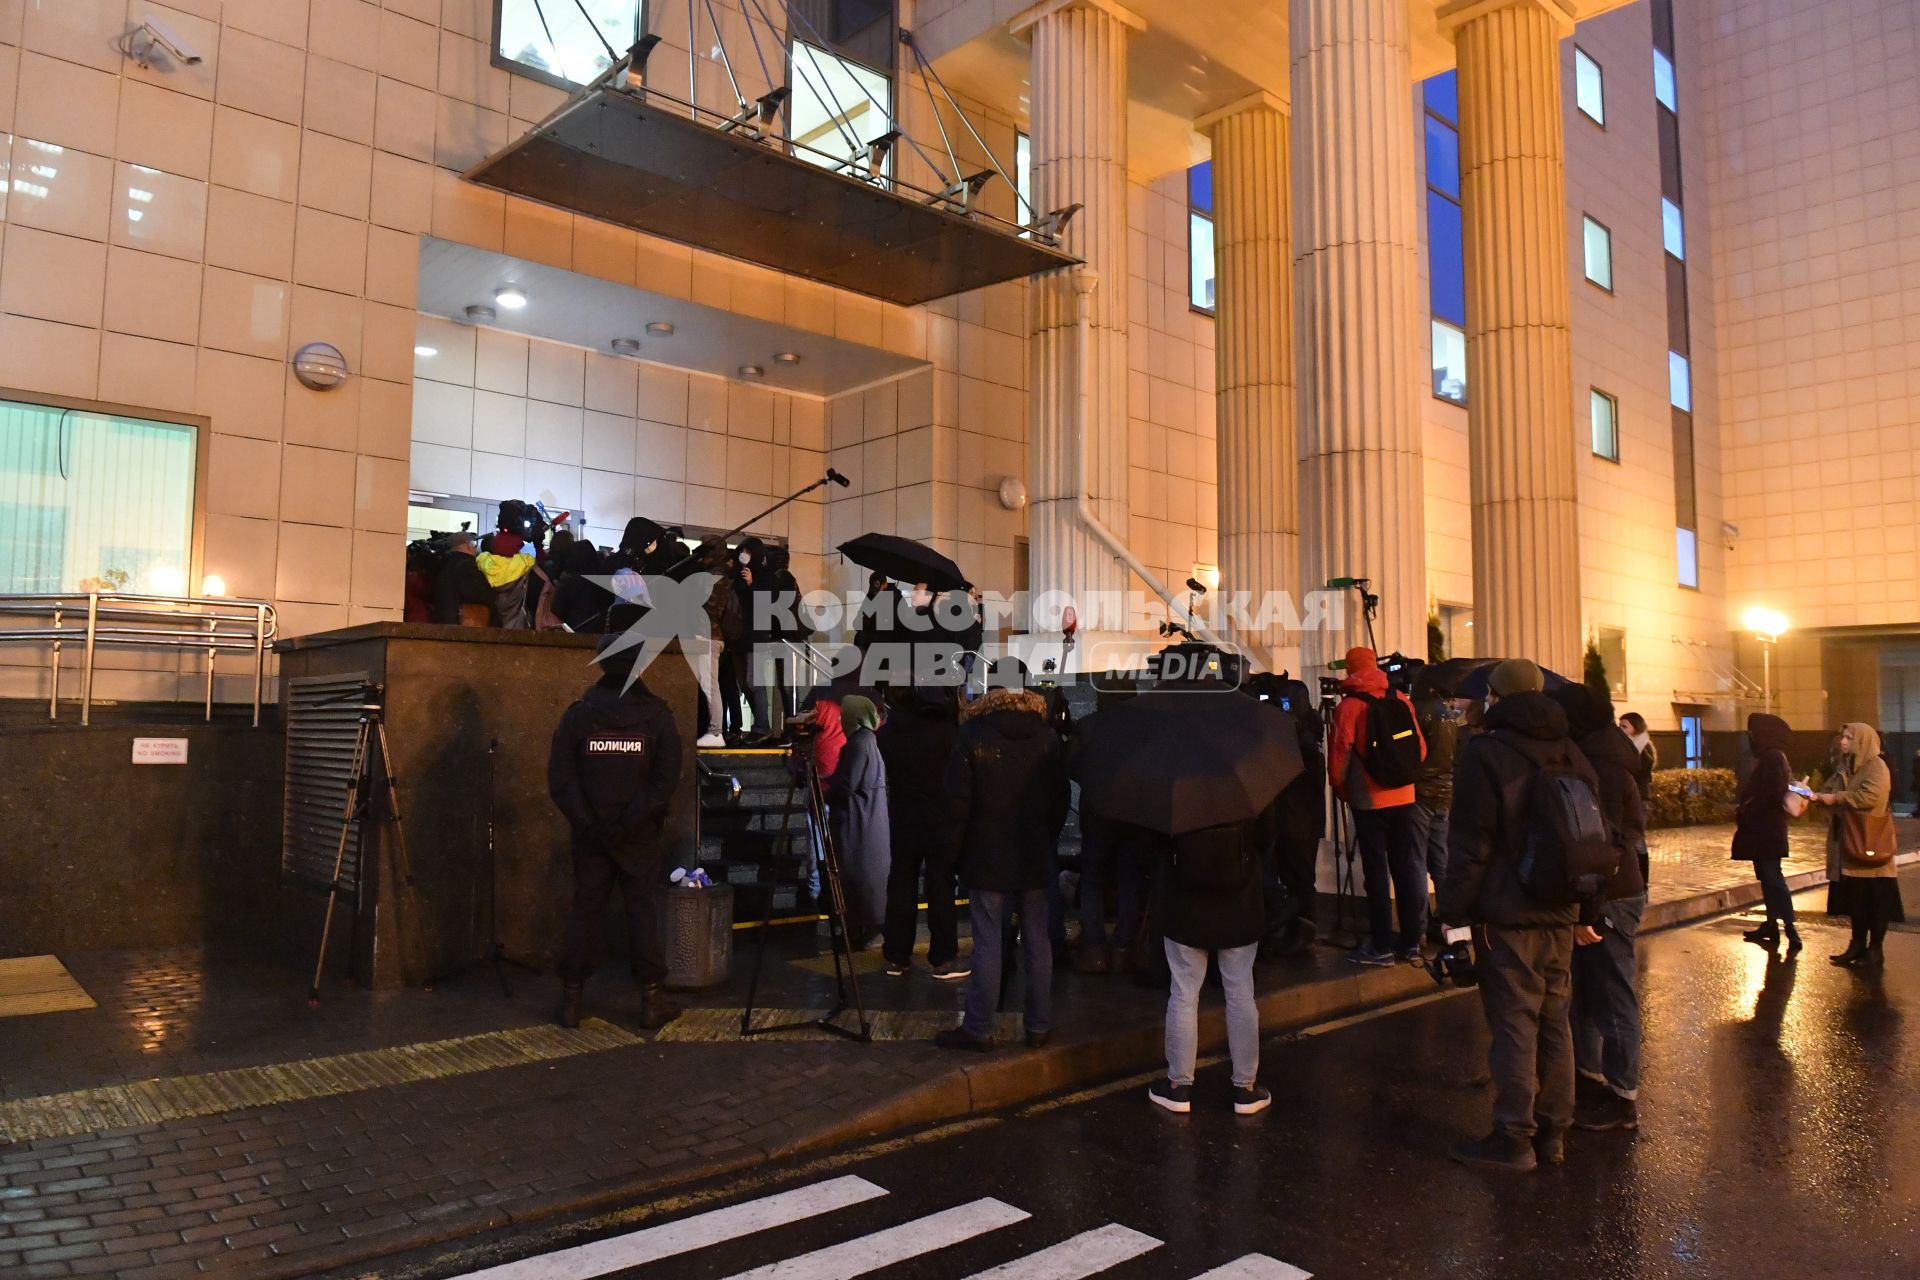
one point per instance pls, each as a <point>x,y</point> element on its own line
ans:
<point>1691,797</point>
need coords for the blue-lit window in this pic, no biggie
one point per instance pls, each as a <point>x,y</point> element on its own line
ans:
<point>1663,86</point>
<point>1679,381</point>
<point>1693,733</point>
<point>1446,244</point>
<point>1686,546</point>
<point>1200,258</point>
<point>1673,229</point>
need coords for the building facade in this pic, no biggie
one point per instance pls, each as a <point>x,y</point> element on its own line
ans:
<point>1560,322</point>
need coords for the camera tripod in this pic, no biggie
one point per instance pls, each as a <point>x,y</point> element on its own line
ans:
<point>846,979</point>
<point>358,807</point>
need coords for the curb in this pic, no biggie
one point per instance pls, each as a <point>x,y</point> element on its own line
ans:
<point>1001,1080</point>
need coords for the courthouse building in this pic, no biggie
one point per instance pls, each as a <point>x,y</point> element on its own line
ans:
<point>1560,321</point>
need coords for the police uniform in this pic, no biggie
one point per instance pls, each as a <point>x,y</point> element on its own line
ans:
<point>613,769</point>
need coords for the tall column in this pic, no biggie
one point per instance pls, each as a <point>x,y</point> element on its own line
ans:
<point>1079,141</point>
<point>1355,263</point>
<point>1526,551</point>
<point>1253,354</point>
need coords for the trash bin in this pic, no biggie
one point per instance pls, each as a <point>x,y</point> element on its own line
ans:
<point>699,936</point>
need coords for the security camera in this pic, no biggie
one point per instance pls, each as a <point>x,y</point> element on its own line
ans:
<point>151,34</point>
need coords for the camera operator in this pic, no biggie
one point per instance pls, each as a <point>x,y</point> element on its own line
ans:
<point>1374,759</point>
<point>461,582</point>
<point>1524,937</point>
<point>612,771</point>
<point>1440,726</point>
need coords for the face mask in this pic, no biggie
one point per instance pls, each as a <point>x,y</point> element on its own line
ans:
<point>745,557</point>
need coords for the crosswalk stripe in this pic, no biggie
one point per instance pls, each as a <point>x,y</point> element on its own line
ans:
<point>925,1235</point>
<point>1086,1254</point>
<point>674,1238</point>
<point>1256,1266</point>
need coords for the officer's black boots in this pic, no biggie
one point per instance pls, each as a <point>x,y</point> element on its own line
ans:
<point>656,1010</point>
<point>568,1014</point>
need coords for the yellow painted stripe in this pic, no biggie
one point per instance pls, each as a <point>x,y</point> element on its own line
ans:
<point>181,1097</point>
<point>39,984</point>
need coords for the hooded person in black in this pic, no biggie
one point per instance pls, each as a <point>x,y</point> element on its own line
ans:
<point>1760,825</point>
<point>615,763</point>
<point>1606,1008</point>
<point>1525,945</point>
<point>915,741</point>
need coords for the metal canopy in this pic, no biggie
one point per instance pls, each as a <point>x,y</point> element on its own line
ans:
<point>615,156</point>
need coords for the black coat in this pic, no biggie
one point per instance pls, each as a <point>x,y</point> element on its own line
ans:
<point>1486,832</point>
<point>1209,916</point>
<point>1614,761</point>
<point>1007,781</point>
<point>461,581</point>
<point>613,768</point>
<point>1760,818</point>
<point>915,740</point>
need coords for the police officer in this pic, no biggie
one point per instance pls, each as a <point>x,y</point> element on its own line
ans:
<point>612,772</point>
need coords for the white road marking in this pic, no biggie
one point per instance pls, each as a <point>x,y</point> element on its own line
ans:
<point>671,1239</point>
<point>895,1244</point>
<point>1086,1254</point>
<point>1256,1266</point>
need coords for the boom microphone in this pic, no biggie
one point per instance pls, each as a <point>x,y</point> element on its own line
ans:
<point>1342,584</point>
<point>837,478</point>
<point>1196,586</point>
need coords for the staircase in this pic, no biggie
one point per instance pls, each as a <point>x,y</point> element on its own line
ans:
<point>743,792</point>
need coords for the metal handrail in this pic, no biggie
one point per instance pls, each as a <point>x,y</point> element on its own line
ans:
<point>212,625</point>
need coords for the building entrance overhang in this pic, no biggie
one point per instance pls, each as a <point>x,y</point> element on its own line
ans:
<point>646,162</point>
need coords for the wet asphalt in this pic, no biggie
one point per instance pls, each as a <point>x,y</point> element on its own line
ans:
<point>1780,1137</point>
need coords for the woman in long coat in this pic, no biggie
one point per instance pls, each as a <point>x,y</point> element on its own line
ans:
<point>857,802</point>
<point>1760,826</point>
<point>1868,896</point>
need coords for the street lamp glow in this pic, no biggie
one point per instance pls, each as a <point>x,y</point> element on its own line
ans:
<point>213,585</point>
<point>1766,622</point>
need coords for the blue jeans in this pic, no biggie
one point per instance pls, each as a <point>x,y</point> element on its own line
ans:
<point>1189,966</point>
<point>1430,835</point>
<point>1105,855</point>
<point>1606,1008</point>
<point>1395,871</point>
<point>992,913</point>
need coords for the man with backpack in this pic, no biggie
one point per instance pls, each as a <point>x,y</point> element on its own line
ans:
<point>1527,848</point>
<point>1374,760</point>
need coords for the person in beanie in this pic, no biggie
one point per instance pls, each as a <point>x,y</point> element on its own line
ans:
<point>1524,946</point>
<point>857,808</point>
<point>1760,826</point>
<point>612,771</point>
<point>1382,818</point>
<point>1007,782</point>
<point>1606,1008</point>
<point>918,736</point>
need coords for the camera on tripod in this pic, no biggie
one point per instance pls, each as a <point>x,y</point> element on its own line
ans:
<point>1454,963</point>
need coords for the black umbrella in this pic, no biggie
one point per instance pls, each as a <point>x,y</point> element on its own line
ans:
<point>1175,761</point>
<point>904,560</point>
<point>1473,685</point>
<point>1444,677</point>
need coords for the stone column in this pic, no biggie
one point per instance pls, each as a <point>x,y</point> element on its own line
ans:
<point>1079,142</point>
<point>1253,355</point>
<point>1526,551</point>
<point>1355,246</point>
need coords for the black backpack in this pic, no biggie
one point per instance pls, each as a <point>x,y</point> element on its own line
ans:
<point>1567,854</point>
<point>1390,745</point>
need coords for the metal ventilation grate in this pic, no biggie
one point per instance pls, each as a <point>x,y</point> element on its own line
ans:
<point>323,718</point>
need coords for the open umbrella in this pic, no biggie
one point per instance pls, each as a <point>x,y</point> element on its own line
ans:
<point>1175,761</point>
<point>1473,685</point>
<point>904,560</point>
<point>1444,677</point>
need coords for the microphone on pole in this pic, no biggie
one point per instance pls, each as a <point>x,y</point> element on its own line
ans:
<point>837,478</point>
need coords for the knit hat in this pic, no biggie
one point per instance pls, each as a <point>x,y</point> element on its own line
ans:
<point>1516,675</point>
<point>1360,658</point>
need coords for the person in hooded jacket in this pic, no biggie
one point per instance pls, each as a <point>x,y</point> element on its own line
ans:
<point>1392,866</point>
<point>1007,781</point>
<point>1606,1008</point>
<point>1760,826</point>
<point>1868,896</point>
<point>918,736</point>
<point>1524,946</point>
<point>857,809</point>
<point>612,771</point>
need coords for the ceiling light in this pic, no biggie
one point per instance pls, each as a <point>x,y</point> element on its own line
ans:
<point>426,351</point>
<point>510,298</point>
<point>787,357</point>
<point>625,346</point>
<point>477,314</point>
<point>752,371</point>
<point>660,329</point>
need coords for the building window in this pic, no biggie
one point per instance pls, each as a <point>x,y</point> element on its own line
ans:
<point>1446,244</point>
<point>1456,628</point>
<point>1693,736</point>
<point>1679,381</point>
<point>563,44</point>
<point>1589,87</point>
<point>1598,243</point>
<point>838,107</point>
<point>1023,178</point>
<point>1200,260</point>
<point>1687,550</point>
<point>1672,229</point>
<point>1606,426</point>
<point>1663,87</point>
<point>1612,644</point>
<point>94,502</point>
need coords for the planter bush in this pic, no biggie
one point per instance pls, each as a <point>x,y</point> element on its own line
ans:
<point>1691,797</point>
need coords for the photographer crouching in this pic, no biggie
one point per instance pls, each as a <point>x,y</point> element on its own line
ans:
<point>613,769</point>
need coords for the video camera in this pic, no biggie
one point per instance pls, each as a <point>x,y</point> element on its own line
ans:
<point>1455,962</point>
<point>1401,671</point>
<point>524,520</point>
